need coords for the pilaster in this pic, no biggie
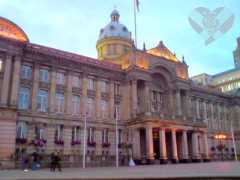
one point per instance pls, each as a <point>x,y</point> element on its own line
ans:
<point>15,81</point>
<point>6,80</point>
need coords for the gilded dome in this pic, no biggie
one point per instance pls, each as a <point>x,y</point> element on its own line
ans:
<point>114,28</point>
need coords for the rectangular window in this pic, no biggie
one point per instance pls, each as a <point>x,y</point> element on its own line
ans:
<point>91,134</point>
<point>76,104</point>
<point>90,84</point>
<point>105,136</point>
<point>104,108</point>
<point>76,136</point>
<point>26,72</point>
<point>60,78</point>
<point>24,96</point>
<point>42,101</point>
<point>117,111</point>
<point>21,130</point>
<point>59,102</point>
<point>90,107</point>
<point>76,82</point>
<point>1,65</point>
<point>43,75</point>
<point>59,133</point>
<point>39,133</point>
<point>120,136</point>
<point>104,86</point>
<point>116,89</point>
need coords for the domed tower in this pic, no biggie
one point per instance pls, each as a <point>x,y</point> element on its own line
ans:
<point>114,40</point>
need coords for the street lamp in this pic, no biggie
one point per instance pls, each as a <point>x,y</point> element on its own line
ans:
<point>221,146</point>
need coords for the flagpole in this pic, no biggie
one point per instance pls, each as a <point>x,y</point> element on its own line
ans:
<point>84,140</point>
<point>135,21</point>
<point>233,141</point>
<point>116,119</point>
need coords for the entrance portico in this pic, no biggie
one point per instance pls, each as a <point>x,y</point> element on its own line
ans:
<point>171,142</point>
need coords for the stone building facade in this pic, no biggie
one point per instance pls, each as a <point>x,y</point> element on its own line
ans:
<point>46,94</point>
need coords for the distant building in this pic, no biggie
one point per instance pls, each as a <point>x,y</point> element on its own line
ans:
<point>227,81</point>
<point>46,94</point>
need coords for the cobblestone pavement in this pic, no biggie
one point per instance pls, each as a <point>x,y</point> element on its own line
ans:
<point>213,169</point>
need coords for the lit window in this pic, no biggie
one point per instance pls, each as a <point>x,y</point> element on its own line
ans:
<point>59,102</point>
<point>1,64</point>
<point>76,104</point>
<point>42,101</point>
<point>76,81</point>
<point>26,72</point>
<point>21,130</point>
<point>43,75</point>
<point>60,78</point>
<point>23,100</point>
<point>90,84</point>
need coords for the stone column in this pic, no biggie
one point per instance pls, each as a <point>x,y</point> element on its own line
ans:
<point>188,104</point>
<point>172,104</point>
<point>126,106</point>
<point>190,113</point>
<point>197,109</point>
<point>174,147</point>
<point>178,103</point>
<point>15,81</point>
<point>52,93</point>
<point>147,98</point>
<point>185,155</point>
<point>35,87</point>
<point>195,148</point>
<point>84,95</point>
<point>136,144</point>
<point>205,147</point>
<point>98,99</point>
<point>134,97</point>
<point>50,138</point>
<point>6,80</point>
<point>149,144</point>
<point>68,94</point>
<point>67,140</point>
<point>111,100</point>
<point>212,115</point>
<point>205,111</point>
<point>162,143</point>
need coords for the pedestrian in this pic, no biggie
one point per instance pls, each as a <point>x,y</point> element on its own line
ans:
<point>34,161</point>
<point>58,162</point>
<point>52,163</point>
<point>25,162</point>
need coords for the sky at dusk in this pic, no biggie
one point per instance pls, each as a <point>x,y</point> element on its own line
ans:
<point>73,25</point>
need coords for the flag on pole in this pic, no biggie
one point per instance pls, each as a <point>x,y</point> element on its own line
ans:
<point>137,4</point>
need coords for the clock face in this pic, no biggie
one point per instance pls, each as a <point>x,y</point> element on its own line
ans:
<point>12,31</point>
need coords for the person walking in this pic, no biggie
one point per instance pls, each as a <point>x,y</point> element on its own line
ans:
<point>58,162</point>
<point>52,163</point>
<point>25,162</point>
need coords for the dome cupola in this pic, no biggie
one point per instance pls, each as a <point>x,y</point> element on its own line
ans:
<point>114,39</point>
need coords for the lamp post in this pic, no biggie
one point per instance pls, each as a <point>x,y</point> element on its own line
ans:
<point>220,137</point>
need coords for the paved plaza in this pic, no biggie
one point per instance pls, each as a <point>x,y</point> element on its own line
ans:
<point>171,171</point>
